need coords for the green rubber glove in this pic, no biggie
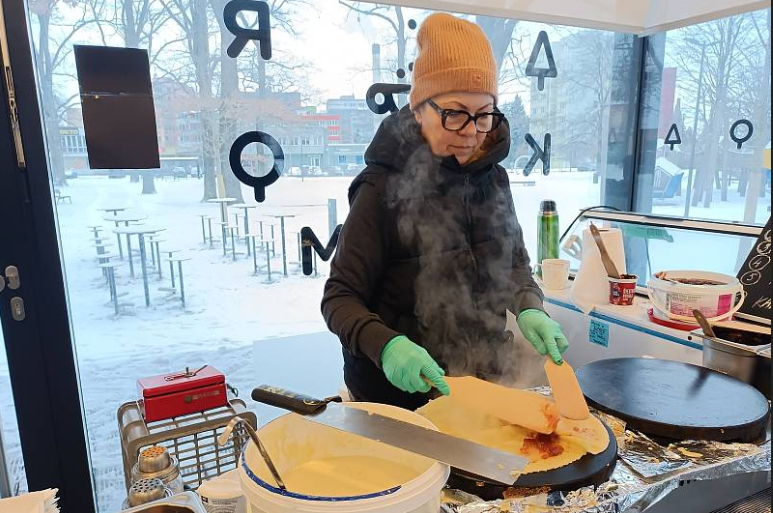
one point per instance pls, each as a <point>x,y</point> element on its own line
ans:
<point>404,363</point>
<point>543,333</point>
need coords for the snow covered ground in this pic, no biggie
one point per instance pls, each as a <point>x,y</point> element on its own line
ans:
<point>252,331</point>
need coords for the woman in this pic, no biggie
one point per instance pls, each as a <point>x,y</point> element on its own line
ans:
<point>431,255</point>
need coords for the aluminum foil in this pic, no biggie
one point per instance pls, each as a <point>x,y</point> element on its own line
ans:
<point>645,473</point>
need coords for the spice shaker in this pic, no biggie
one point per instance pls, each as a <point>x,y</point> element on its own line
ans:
<point>156,463</point>
<point>146,490</point>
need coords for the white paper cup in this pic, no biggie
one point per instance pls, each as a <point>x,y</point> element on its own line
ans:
<point>555,273</point>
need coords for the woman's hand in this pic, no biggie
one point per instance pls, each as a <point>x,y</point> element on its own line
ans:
<point>406,365</point>
<point>543,333</point>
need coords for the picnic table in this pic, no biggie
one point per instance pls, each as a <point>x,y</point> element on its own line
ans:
<point>223,202</point>
<point>140,232</point>
<point>246,217</point>
<point>126,220</point>
<point>114,210</point>
<point>281,218</point>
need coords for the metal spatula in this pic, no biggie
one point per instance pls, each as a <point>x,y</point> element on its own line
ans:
<point>493,464</point>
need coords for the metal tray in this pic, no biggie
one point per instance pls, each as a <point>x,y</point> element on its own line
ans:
<point>186,502</point>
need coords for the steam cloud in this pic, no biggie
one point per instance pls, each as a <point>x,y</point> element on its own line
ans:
<point>463,329</point>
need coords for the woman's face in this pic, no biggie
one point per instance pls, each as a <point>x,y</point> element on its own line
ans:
<point>462,144</point>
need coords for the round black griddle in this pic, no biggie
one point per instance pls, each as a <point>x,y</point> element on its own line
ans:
<point>591,469</point>
<point>675,400</point>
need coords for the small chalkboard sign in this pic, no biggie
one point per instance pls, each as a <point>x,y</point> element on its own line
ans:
<point>756,280</point>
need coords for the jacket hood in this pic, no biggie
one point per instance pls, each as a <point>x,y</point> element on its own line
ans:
<point>399,140</point>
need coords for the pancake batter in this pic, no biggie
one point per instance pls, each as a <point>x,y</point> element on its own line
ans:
<point>347,476</point>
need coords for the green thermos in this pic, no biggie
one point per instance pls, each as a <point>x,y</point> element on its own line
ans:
<point>547,247</point>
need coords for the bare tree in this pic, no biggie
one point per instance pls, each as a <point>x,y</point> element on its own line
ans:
<point>722,40</point>
<point>220,80</point>
<point>51,52</point>
<point>759,105</point>
<point>192,17</point>
<point>229,91</point>
<point>588,72</point>
<point>394,17</point>
<point>137,22</point>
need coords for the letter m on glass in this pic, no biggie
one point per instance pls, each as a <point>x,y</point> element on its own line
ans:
<point>310,241</point>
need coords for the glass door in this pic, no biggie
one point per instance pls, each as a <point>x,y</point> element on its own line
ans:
<point>13,481</point>
<point>41,420</point>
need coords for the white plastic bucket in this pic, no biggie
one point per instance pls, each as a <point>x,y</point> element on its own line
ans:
<point>292,441</point>
<point>678,300</point>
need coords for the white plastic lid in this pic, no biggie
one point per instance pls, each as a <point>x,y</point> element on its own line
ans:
<point>221,487</point>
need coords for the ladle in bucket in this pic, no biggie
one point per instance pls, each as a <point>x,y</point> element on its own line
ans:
<point>238,421</point>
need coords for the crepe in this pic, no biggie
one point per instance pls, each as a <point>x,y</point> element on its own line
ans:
<point>571,440</point>
<point>522,407</point>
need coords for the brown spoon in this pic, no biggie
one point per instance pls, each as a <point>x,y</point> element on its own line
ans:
<point>704,323</point>
<point>609,265</point>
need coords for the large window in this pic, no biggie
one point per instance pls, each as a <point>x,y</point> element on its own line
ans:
<point>702,80</point>
<point>326,55</point>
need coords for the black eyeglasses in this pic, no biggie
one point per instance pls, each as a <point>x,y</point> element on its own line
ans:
<point>457,120</point>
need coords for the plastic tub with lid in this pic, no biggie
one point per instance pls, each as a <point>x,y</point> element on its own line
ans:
<point>292,441</point>
<point>677,293</point>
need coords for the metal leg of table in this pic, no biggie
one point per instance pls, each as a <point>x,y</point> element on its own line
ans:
<point>268,264</point>
<point>224,236</point>
<point>113,289</point>
<point>171,269</point>
<point>153,253</point>
<point>107,281</point>
<point>211,242</point>
<point>120,246</point>
<point>144,266</point>
<point>233,244</point>
<point>254,255</point>
<point>273,242</point>
<point>129,254</point>
<point>247,231</point>
<point>158,259</point>
<point>182,284</point>
<point>203,232</point>
<point>284,246</point>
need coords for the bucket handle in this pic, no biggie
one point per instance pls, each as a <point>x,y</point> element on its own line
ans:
<point>685,318</point>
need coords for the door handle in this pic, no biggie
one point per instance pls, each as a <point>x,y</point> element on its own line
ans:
<point>12,276</point>
<point>17,309</point>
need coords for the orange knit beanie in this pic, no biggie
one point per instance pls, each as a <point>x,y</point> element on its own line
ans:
<point>454,56</point>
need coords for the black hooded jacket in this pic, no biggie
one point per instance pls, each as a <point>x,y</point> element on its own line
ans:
<point>431,250</point>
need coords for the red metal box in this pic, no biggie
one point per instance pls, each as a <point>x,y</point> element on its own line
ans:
<point>181,393</point>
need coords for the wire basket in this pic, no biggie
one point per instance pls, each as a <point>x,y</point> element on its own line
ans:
<point>192,439</point>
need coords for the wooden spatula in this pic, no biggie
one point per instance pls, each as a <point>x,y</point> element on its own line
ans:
<point>566,390</point>
<point>704,323</point>
<point>520,407</point>
<point>609,265</point>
